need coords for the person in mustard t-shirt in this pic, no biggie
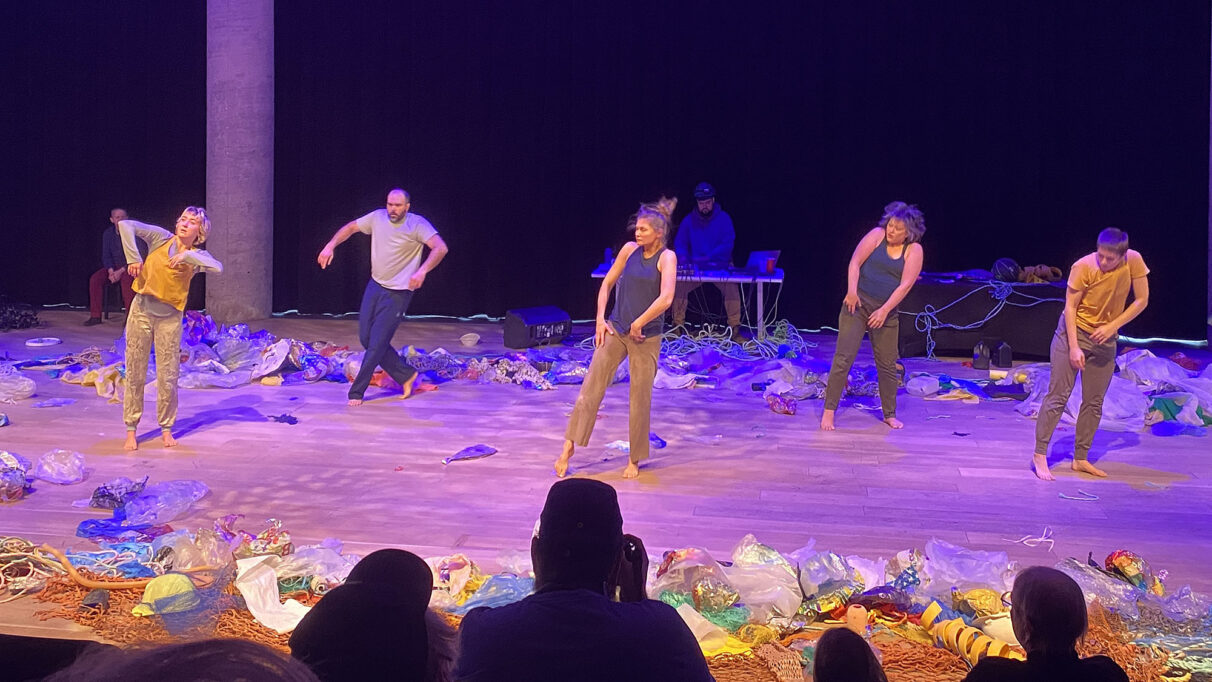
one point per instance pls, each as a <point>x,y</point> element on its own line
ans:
<point>1085,341</point>
<point>161,289</point>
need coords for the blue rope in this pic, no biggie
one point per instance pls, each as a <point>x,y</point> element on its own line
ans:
<point>927,320</point>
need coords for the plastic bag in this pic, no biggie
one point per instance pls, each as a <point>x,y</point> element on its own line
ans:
<point>692,571</point>
<point>949,565</point>
<point>114,494</point>
<point>162,502</point>
<point>498,590</point>
<point>60,466</point>
<point>1146,369</point>
<point>1113,593</point>
<point>315,560</point>
<point>206,548</point>
<point>765,581</point>
<point>13,481</point>
<point>821,572</point>
<point>922,385</point>
<point>209,380</point>
<point>14,385</point>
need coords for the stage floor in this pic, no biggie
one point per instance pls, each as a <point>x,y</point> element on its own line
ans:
<point>373,476</point>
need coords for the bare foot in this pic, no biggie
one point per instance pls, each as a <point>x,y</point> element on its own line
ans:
<point>354,402</point>
<point>131,443</point>
<point>1040,464</point>
<point>169,441</point>
<point>827,420</point>
<point>632,470</point>
<point>407,385</point>
<point>561,463</point>
<point>1086,467</point>
<point>894,422</point>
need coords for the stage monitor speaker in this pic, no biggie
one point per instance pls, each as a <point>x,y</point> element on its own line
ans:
<point>526,327</point>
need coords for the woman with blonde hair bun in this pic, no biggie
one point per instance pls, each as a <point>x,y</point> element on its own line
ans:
<point>645,273</point>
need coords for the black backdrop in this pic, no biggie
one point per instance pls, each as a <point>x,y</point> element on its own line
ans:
<point>528,131</point>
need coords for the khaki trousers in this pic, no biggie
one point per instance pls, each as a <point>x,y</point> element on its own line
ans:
<point>1096,377</point>
<point>142,330</point>
<point>642,365</point>
<point>850,330</point>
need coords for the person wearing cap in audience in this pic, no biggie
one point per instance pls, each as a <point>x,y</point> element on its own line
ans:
<point>705,239</point>
<point>572,627</point>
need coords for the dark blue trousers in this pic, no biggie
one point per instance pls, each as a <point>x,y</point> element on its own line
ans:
<point>380,315</point>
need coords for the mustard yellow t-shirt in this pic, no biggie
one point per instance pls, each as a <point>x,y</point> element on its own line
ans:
<point>1104,294</point>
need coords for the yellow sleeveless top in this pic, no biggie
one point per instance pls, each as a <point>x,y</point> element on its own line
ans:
<point>159,279</point>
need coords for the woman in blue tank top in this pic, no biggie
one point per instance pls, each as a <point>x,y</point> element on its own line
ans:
<point>882,270</point>
<point>646,274</point>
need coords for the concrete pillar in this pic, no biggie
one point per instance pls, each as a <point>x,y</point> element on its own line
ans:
<point>1208,320</point>
<point>239,157</point>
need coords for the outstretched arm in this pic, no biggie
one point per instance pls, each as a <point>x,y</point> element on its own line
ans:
<point>437,251</point>
<point>342,234</point>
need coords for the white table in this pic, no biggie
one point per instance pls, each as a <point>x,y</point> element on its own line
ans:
<point>759,281</point>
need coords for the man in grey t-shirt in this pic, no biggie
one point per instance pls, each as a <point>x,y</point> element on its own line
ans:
<point>397,240</point>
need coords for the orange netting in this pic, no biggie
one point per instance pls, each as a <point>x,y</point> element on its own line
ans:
<point>1108,636</point>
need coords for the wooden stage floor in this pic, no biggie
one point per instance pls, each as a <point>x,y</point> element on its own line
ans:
<point>373,476</point>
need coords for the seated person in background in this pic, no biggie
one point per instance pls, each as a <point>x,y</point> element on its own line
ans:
<point>704,239</point>
<point>843,656</point>
<point>1048,613</point>
<point>374,626</point>
<point>113,269</point>
<point>571,628</point>
<point>207,660</point>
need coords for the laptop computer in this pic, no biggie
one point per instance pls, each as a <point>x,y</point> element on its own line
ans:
<point>762,262</point>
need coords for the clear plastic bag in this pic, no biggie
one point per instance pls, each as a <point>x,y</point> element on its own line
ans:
<point>765,581</point>
<point>162,502</point>
<point>949,565</point>
<point>60,466</point>
<point>14,385</point>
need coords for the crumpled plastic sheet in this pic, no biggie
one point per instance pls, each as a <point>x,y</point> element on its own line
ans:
<point>764,580</point>
<point>63,467</point>
<point>1124,407</point>
<point>160,503</point>
<point>198,327</point>
<point>114,494</point>
<point>116,528</point>
<point>822,572</point>
<point>184,550</point>
<point>258,584</point>
<point>14,483</point>
<point>948,565</point>
<point>1150,372</point>
<point>693,571</point>
<point>107,378</point>
<point>1115,594</point>
<point>455,579</point>
<point>324,561</point>
<point>14,385</point>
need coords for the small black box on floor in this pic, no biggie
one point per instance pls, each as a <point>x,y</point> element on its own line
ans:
<point>526,327</point>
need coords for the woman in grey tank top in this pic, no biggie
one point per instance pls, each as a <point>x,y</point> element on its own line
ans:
<point>646,274</point>
<point>882,270</point>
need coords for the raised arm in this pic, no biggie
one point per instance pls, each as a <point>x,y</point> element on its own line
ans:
<point>342,234</point>
<point>608,282</point>
<point>437,251</point>
<point>133,229</point>
<point>862,252</point>
<point>913,268</point>
<point>1140,300</point>
<point>668,266</point>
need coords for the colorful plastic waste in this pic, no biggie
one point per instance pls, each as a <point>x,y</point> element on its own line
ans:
<point>273,540</point>
<point>1133,568</point>
<point>55,402</point>
<point>13,481</point>
<point>169,593</point>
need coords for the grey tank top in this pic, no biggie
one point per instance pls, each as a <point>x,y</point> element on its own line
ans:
<point>637,288</point>
<point>880,274</point>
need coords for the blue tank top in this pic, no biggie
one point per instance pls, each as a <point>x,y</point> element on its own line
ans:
<point>637,288</point>
<point>881,274</point>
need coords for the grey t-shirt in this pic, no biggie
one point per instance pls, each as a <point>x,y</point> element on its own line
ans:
<point>395,248</point>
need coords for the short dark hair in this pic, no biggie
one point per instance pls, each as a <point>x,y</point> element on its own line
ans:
<point>842,654</point>
<point>208,659</point>
<point>1115,239</point>
<point>1048,610</point>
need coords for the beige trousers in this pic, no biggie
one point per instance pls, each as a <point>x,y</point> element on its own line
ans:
<point>142,330</point>
<point>642,366</point>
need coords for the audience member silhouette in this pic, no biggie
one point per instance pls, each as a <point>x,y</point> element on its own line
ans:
<point>571,628</point>
<point>843,656</point>
<point>1048,613</point>
<point>211,660</point>
<point>372,627</point>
